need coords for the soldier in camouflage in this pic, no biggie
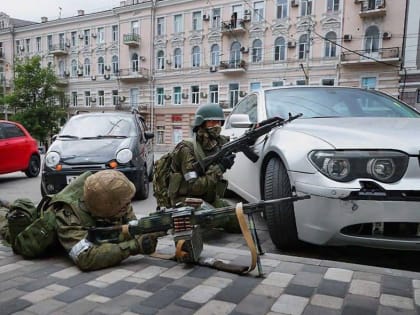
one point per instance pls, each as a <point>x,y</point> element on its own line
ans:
<point>185,181</point>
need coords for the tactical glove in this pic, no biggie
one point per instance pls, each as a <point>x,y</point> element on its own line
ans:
<point>146,243</point>
<point>226,162</point>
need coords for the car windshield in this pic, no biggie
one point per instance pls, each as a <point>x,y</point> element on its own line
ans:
<point>334,102</point>
<point>98,127</point>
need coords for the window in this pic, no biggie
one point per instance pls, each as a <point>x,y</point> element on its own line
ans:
<point>177,58</point>
<point>101,65</point>
<point>196,56</point>
<point>303,45</point>
<point>254,86</point>
<point>177,135</point>
<point>73,68</point>
<point>38,44</point>
<point>333,5</point>
<point>305,7</point>
<point>418,96</point>
<point>115,33</point>
<point>160,96</point>
<point>178,23</point>
<point>28,45</point>
<point>87,98</point>
<point>160,134</point>
<point>61,68</point>
<point>101,98</point>
<point>12,131</point>
<point>86,67</point>
<point>372,39</point>
<point>134,63</point>
<point>233,94</point>
<point>248,106</point>
<point>177,95</point>
<point>100,35</point>
<point>115,67</point>
<point>134,98</point>
<point>300,82</point>
<point>195,94</point>
<point>330,47</point>
<point>369,82</point>
<point>258,11</point>
<point>329,82</point>
<point>215,55</point>
<point>115,98</point>
<point>135,29</point>
<point>49,42</point>
<point>160,26</point>
<point>281,9</point>
<point>196,21</point>
<point>215,20</point>
<point>74,99</point>
<point>86,37</point>
<point>160,60</point>
<point>257,51</point>
<point>279,49</point>
<point>278,83</point>
<point>214,93</point>
<point>73,39</point>
<point>235,54</point>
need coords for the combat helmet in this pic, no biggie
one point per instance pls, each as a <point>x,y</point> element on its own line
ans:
<point>208,112</point>
<point>108,193</point>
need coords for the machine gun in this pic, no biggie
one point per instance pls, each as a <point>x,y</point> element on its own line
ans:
<point>185,223</point>
<point>243,143</point>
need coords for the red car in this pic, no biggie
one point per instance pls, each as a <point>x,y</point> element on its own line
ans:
<point>18,150</point>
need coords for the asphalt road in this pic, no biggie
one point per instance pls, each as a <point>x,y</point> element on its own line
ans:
<point>17,185</point>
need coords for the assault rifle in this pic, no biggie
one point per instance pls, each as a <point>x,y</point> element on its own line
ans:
<point>243,143</point>
<point>184,224</point>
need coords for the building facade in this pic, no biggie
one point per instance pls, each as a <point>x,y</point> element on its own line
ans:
<point>165,58</point>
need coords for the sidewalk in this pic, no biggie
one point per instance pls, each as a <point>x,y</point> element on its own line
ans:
<point>145,285</point>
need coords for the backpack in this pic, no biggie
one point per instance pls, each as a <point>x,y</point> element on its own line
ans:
<point>162,170</point>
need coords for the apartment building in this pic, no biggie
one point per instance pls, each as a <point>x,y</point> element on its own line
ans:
<point>167,57</point>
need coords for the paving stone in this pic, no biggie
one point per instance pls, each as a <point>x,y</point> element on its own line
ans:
<point>361,275</point>
<point>154,284</point>
<point>360,305</point>
<point>44,271</point>
<point>365,288</point>
<point>116,289</point>
<point>11,294</point>
<point>46,307</point>
<point>13,306</point>
<point>188,281</point>
<point>255,304</point>
<point>144,310</point>
<point>417,296</point>
<point>309,279</point>
<point>333,288</point>
<point>75,293</point>
<point>238,289</point>
<point>66,273</point>
<point>162,298</point>
<point>45,293</point>
<point>394,285</point>
<point>97,298</point>
<point>319,310</point>
<point>77,279</point>
<point>202,272</point>
<point>188,304</point>
<point>289,267</point>
<point>78,307</point>
<point>175,309</point>
<point>139,293</point>
<point>216,307</point>
<point>149,272</point>
<point>38,284</point>
<point>327,301</point>
<point>396,301</point>
<point>290,304</point>
<point>386,310</point>
<point>114,275</point>
<point>416,284</point>
<point>201,293</point>
<point>314,269</point>
<point>268,290</point>
<point>177,271</point>
<point>339,274</point>
<point>299,290</point>
<point>217,282</point>
<point>278,279</point>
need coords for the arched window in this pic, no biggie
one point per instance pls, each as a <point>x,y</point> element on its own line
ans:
<point>101,65</point>
<point>196,56</point>
<point>160,60</point>
<point>235,54</point>
<point>372,39</point>
<point>330,47</point>
<point>74,68</point>
<point>61,68</point>
<point>177,58</point>
<point>279,49</point>
<point>303,45</point>
<point>134,62</point>
<point>257,51</point>
<point>215,55</point>
<point>86,67</point>
<point>115,66</point>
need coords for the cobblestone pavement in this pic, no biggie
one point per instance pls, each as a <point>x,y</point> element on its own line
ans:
<point>146,285</point>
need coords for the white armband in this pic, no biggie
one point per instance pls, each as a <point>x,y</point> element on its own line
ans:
<point>79,248</point>
<point>190,175</point>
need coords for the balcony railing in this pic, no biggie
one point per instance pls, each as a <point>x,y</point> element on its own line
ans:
<point>373,9</point>
<point>130,75</point>
<point>233,27</point>
<point>369,56</point>
<point>58,49</point>
<point>131,39</point>
<point>232,66</point>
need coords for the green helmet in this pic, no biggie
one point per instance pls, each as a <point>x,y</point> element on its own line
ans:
<point>108,193</point>
<point>208,112</point>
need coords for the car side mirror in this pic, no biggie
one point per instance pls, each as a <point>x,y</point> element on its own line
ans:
<point>54,137</point>
<point>149,135</point>
<point>240,121</point>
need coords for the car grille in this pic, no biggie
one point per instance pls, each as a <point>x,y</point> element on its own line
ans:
<point>84,167</point>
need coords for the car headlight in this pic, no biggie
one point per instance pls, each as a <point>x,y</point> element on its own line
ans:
<point>124,156</point>
<point>343,166</point>
<point>52,159</point>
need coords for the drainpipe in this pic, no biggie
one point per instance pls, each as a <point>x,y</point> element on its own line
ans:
<point>152,68</point>
<point>402,66</point>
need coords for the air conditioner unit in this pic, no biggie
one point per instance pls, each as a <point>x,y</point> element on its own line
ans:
<point>94,35</point>
<point>244,50</point>
<point>291,44</point>
<point>21,48</point>
<point>107,67</point>
<point>107,76</point>
<point>142,58</point>
<point>93,99</point>
<point>81,36</point>
<point>295,3</point>
<point>386,35</point>
<point>213,69</point>
<point>247,12</point>
<point>206,17</point>
<point>168,62</point>
<point>66,73</point>
<point>247,18</point>
<point>347,37</point>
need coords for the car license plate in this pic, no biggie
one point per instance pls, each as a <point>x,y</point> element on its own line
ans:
<point>70,179</point>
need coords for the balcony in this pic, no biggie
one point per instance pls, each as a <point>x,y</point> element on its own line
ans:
<point>58,49</point>
<point>373,9</point>
<point>1,55</point>
<point>132,39</point>
<point>233,27</point>
<point>62,80</point>
<point>232,66</point>
<point>128,75</point>
<point>389,55</point>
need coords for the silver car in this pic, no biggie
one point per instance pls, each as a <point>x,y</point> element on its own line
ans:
<point>355,151</point>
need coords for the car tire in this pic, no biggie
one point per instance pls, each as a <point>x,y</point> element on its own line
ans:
<point>280,217</point>
<point>143,186</point>
<point>151,174</point>
<point>34,166</point>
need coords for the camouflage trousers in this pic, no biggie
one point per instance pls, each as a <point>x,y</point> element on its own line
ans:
<point>4,228</point>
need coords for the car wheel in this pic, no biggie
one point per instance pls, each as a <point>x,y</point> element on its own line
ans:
<point>280,217</point>
<point>34,166</point>
<point>143,186</point>
<point>151,174</point>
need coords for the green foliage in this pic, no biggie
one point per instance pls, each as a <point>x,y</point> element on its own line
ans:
<point>36,99</point>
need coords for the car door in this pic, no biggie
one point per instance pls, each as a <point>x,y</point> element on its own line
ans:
<point>14,148</point>
<point>249,188</point>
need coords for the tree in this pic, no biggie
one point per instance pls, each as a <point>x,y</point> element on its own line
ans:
<point>36,100</point>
